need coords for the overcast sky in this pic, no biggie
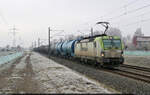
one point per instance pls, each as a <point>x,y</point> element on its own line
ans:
<point>32,17</point>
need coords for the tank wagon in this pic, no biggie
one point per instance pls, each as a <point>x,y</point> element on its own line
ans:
<point>59,49</point>
<point>71,48</point>
<point>66,48</point>
<point>42,49</point>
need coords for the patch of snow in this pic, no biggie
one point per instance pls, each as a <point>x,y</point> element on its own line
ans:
<point>60,79</point>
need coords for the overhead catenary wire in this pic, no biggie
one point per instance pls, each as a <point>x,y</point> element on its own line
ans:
<point>130,25</point>
<point>130,3</point>
<point>143,14</point>
<point>132,11</point>
<point>144,20</point>
<point>123,7</point>
<point>112,12</point>
<point>128,12</point>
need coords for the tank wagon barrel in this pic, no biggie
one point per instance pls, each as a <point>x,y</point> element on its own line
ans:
<point>58,48</point>
<point>71,47</point>
<point>64,48</point>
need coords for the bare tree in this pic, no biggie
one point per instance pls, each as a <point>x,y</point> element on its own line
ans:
<point>138,32</point>
<point>114,32</point>
<point>71,37</point>
<point>96,32</point>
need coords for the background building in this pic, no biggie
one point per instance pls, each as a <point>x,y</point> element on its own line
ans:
<point>142,42</point>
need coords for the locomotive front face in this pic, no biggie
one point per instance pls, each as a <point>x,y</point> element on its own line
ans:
<point>112,47</point>
<point>112,50</point>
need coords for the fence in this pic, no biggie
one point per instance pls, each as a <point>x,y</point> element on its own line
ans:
<point>137,53</point>
<point>5,59</point>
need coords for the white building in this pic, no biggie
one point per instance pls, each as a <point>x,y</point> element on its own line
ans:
<point>142,42</point>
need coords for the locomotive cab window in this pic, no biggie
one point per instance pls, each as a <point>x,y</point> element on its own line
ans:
<point>108,44</point>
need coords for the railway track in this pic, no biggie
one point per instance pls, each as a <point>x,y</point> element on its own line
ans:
<point>136,76</point>
<point>128,73</point>
<point>134,72</point>
<point>133,75</point>
<point>136,67</point>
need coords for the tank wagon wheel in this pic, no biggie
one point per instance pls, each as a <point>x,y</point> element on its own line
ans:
<point>101,65</point>
<point>96,64</point>
<point>84,61</point>
<point>81,61</point>
<point>91,63</point>
<point>70,58</point>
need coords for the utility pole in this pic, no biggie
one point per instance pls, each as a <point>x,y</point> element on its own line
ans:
<point>92,32</point>
<point>49,30</point>
<point>35,44</point>
<point>49,41</point>
<point>32,45</point>
<point>14,34</point>
<point>38,42</point>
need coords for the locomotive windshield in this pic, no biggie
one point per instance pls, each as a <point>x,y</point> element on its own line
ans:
<point>112,43</point>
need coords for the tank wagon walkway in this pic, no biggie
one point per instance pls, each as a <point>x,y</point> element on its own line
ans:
<point>35,73</point>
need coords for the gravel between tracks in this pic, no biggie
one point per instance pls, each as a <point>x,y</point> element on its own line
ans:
<point>117,82</point>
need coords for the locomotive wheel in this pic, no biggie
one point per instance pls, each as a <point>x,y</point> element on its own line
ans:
<point>96,64</point>
<point>101,65</point>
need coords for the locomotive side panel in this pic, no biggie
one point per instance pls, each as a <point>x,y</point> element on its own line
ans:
<point>85,50</point>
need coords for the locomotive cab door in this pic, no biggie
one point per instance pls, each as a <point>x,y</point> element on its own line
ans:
<point>95,49</point>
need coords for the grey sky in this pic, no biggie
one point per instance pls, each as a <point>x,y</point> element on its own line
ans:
<point>32,17</point>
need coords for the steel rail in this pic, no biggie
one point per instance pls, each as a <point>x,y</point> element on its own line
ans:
<point>136,67</point>
<point>131,75</point>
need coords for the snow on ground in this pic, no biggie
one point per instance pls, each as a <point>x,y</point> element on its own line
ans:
<point>56,78</point>
<point>4,53</point>
<point>18,77</point>
<point>143,61</point>
<point>22,63</point>
<point>8,76</point>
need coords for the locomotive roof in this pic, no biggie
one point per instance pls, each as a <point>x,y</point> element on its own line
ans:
<point>89,39</point>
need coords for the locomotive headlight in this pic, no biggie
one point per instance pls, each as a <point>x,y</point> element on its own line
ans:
<point>102,54</point>
<point>121,53</point>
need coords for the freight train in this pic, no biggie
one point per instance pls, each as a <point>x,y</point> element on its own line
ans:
<point>102,50</point>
